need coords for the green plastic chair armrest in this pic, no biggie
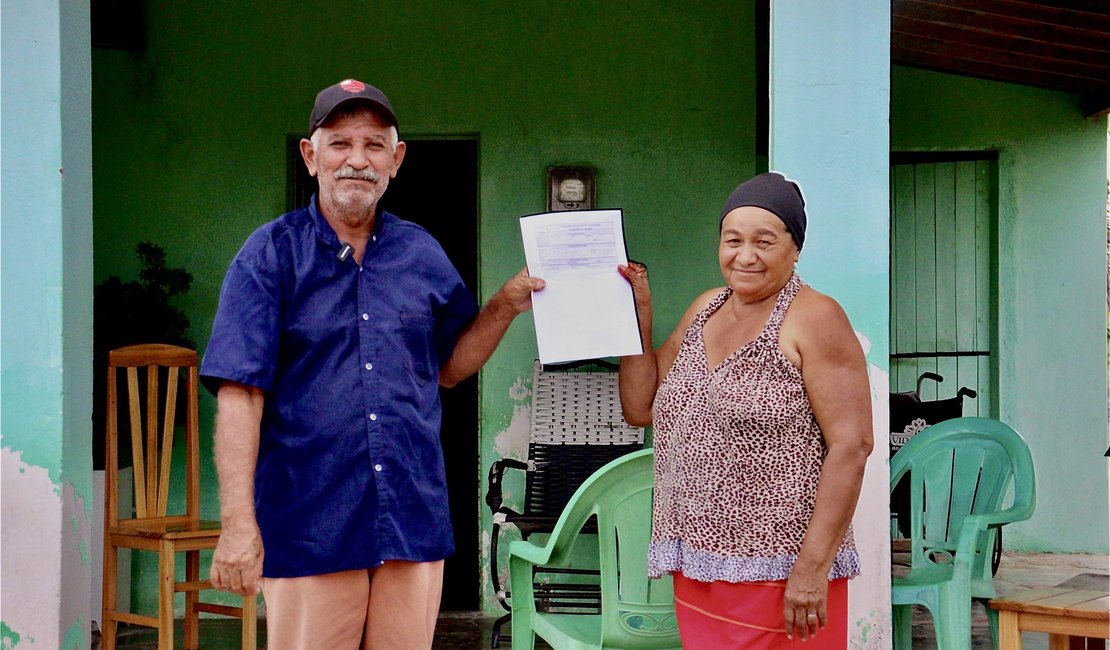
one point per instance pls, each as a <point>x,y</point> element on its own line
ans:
<point>530,552</point>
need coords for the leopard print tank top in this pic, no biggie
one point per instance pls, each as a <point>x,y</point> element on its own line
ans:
<point>738,454</point>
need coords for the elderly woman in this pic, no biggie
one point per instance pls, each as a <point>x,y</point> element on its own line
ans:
<point>762,419</point>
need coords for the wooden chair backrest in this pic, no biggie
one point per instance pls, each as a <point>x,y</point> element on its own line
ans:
<point>152,415</point>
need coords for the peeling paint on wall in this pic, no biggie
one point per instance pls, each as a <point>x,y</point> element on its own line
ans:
<point>75,636</point>
<point>869,593</point>
<point>84,548</point>
<point>510,442</point>
<point>866,634</point>
<point>31,616</point>
<point>76,568</point>
<point>76,528</point>
<point>8,638</point>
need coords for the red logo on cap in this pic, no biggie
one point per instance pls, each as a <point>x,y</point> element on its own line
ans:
<point>352,85</point>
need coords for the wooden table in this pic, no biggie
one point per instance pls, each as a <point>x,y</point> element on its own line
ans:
<point>1066,614</point>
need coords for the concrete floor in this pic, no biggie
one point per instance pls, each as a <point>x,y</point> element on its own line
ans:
<point>471,630</point>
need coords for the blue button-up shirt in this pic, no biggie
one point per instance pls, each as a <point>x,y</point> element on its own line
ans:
<point>350,471</point>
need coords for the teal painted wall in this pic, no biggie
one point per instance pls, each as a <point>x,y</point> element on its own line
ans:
<point>77,314</point>
<point>1052,281</point>
<point>46,244</point>
<point>830,87</point>
<point>659,96</point>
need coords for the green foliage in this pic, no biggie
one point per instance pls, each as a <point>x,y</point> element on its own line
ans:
<point>129,313</point>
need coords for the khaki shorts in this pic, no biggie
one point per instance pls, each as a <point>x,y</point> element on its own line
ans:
<point>392,607</point>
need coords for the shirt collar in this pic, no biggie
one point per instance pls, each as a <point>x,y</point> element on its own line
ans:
<point>325,234</point>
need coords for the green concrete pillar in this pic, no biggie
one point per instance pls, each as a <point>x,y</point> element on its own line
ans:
<point>46,253</point>
<point>829,130</point>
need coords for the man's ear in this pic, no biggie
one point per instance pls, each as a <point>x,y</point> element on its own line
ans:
<point>398,157</point>
<point>309,155</point>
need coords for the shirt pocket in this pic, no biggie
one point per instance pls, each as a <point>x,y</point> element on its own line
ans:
<point>416,332</point>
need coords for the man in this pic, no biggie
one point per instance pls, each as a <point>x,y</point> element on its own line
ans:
<point>336,325</point>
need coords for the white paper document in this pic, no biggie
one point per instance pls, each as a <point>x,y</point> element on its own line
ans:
<point>586,311</point>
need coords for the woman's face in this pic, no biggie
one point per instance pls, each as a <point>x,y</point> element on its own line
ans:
<point>756,253</point>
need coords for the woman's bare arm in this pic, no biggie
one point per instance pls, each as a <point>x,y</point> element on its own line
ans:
<point>641,374</point>
<point>835,374</point>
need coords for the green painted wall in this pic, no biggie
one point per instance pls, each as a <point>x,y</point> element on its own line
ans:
<point>189,149</point>
<point>658,95</point>
<point>1052,282</point>
<point>47,316</point>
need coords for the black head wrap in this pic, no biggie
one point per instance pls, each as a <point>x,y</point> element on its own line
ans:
<point>773,192</point>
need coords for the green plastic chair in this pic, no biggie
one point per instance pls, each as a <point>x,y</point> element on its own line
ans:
<point>959,472</point>
<point>635,612</point>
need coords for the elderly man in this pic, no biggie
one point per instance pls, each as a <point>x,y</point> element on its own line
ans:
<point>336,326</point>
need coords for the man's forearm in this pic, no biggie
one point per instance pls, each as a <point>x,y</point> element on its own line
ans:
<point>480,338</point>
<point>478,341</point>
<point>238,418</point>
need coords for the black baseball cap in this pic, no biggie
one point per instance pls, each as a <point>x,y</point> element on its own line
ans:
<point>349,90</point>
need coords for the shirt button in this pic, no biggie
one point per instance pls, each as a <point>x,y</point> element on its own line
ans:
<point>377,468</point>
<point>369,366</point>
<point>373,417</point>
<point>366,317</point>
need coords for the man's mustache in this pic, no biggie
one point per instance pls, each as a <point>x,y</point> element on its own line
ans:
<point>358,174</point>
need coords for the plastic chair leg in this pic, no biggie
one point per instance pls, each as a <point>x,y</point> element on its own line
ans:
<point>524,638</point>
<point>520,582</point>
<point>953,625</point>
<point>992,620</point>
<point>903,627</point>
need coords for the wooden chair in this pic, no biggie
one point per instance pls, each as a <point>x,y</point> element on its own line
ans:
<point>151,528</point>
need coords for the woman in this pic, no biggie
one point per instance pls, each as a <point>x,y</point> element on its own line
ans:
<point>762,419</point>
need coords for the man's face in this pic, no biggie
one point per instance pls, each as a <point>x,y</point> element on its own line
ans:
<point>354,157</point>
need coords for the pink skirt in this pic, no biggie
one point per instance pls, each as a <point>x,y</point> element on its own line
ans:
<point>748,615</point>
